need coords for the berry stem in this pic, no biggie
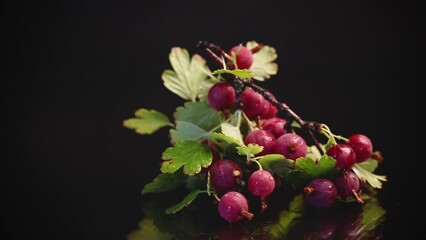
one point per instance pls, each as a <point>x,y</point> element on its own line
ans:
<point>263,204</point>
<point>247,214</point>
<point>309,190</point>
<point>357,196</point>
<point>258,163</point>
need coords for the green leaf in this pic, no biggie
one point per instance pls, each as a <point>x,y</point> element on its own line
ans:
<point>225,143</point>
<point>164,182</point>
<point>306,169</point>
<point>188,74</point>
<point>232,131</point>
<point>191,155</point>
<point>276,163</point>
<point>187,131</point>
<point>205,87</point>
<point>263,61</point>
<point>147,121</point>
<point>185,202</point>
<point>364,174</point>
<point>369,165</point>
<point>295,124</point>
<point>200,114</point>
<point>313,152</point>
<point>324,167</point>
<point>241,73</point>
<point>250,150</point>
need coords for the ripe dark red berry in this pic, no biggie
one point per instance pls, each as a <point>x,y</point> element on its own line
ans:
<point>233,207</point>
<point>254,104</point>
<point>344,155</point>
<point>321,193</point>
<point>362,146</point>
<point>225,175</point>
<point>261,183</point>
<point>221,96</point>
<point>262,138</point>
<point>275,125</point>
<point>291,145</point>
<point>244,57</point>
<point>348,185</point>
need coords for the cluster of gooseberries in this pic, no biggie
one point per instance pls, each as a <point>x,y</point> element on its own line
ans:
<point>262,128</point>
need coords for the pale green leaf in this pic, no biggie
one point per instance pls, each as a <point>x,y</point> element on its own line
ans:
<point>191,155</point>
<point>187,75</point>
<point>241,73</point>
<point>164,182</point>
<point>295,124</point>
<point>276,163</point>
<point>263,61</point>
<point>374,180</point>
<point>200,114</point>
<point>225,143</point>
<point>147,121</point>
<point>369,165</point>
<point>205,87</point>
<point>250,150</point>
<point>313,152</point>
<point>185,202</point>
<point>187,131</point>
<point>232,131</point>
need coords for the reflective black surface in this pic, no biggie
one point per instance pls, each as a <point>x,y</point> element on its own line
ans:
<point>72,71</point>
<point>287,217</point>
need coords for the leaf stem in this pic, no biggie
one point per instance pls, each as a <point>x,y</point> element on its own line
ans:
<point>258,163</point>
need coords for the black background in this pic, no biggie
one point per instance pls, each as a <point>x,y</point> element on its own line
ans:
<point>72,71</point>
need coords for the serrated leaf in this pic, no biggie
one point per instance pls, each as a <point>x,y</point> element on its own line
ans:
<point>369,165</point>
<point>250,150</point>
<point>232,131</point>
<point>276,163</point>
<point>205,87</point>
<point>200,114</point>
<point>306,169</point>
<point>325,166</point>
<point>241,73</point>
<point>147,121</point>
<point>225,143</point>
<point>187,75</point>
<point>263,65</point>
<point>185,202</point>
<point>187,131</point>
<point>164,182</point>
<point>191,155</point>
<point>374,180</point>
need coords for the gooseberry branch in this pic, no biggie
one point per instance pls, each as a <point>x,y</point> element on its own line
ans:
<point>239,83</point>
<point>229,123</point>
